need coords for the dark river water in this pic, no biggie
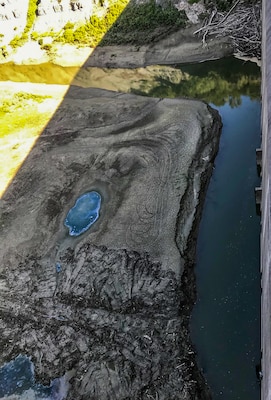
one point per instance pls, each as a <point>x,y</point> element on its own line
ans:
<point>226,319</point>
<point>225,324</point>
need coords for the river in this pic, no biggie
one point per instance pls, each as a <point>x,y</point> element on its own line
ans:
<point>226,319</point>
<point>225,324</point>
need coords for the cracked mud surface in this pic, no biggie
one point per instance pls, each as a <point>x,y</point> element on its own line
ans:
<point>117,312</point>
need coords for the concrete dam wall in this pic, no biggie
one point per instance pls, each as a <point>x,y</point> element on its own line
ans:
<point>265,204</point>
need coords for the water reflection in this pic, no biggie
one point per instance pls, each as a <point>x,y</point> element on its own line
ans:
<point>218,82</point>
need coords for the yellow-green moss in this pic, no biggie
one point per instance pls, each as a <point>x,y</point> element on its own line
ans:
<point>31,15</point>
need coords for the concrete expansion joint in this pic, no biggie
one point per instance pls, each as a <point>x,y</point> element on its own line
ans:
<point>258,189</point>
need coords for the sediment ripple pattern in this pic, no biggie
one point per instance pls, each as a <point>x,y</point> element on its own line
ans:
<point>111,305</point>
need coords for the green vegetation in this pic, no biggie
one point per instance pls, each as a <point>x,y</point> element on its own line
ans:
<point>141,23</point>
<point>93,31</point>
<point>125,23</point>
<point>215,87</point>
<point>10,104</point>
<point>31,15</point>
<point>225,5</point>
<point>18,40</point>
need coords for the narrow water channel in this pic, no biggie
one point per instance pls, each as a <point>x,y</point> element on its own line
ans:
<point>226,319</point>
<point>225,324</point>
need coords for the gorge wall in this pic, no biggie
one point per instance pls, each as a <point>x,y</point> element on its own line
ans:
<point>13,16</point>
<point>37,19</point>
<point>51,15</point>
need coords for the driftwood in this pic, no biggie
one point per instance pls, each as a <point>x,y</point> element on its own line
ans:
<point>241,24</point>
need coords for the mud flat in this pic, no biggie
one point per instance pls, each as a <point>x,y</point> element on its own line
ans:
<point>111,305</point>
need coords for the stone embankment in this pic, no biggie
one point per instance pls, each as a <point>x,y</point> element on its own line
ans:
<point>266,201</point>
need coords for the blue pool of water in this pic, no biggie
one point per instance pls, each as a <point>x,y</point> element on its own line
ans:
<point>17,378</point>
<point>84,213</point>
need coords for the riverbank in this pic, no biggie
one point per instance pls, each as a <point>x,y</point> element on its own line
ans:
<point>119,285</point>
<point>179,47</point>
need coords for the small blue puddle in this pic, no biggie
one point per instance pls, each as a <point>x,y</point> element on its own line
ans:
<point>17,377</point>
<point>84,213</point>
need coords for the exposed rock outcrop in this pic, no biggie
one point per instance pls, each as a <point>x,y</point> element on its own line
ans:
<point>114,303</point>
<point>51,15</point>
<point>54,14</point>
<point>12,19</point>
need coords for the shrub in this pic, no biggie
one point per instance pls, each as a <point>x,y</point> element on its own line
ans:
<point>225,5</point>
<point>35,36</point>
<point>68,36</point>
<point>141,22</point>
<point>125,23</point>
<point>69,25</point>
<point>47,47</point>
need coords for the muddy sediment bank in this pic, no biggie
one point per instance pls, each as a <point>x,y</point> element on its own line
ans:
<point>117,309</point>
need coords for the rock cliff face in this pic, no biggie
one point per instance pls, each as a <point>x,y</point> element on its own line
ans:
<point>12,19</point>
<point>54,14</point>
<point>50,15</point>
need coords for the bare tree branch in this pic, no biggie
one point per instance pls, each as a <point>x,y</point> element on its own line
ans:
<point>241,24</point>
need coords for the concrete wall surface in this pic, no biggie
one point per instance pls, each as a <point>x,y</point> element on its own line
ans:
<point>265,206</point>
